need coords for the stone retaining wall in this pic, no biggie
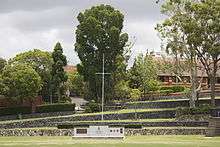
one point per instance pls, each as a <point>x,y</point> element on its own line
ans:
<point>51,122</point>
<point>36,132</point>
<point>128,132</point>
<point>165,131</point>
<point>55,121</point>
<point>167,104</point>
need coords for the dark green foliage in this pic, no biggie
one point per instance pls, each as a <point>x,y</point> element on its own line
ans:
<point>174,89</point>
<point>15,110</point>
<point>41,62</point>
<point>55,107</point>
<point>59,76</point>
<point>92,107</point>
<point>203,109</point>
<point>178,88</point>
<point>3,62</point>
<point>76,84</point>
<point>65,126</point>
<point>99,32</point>
<point>71,126</point>
<point>133,126</point>
<point>20,82</point>
<point>143,74</point>
<point>167,92</point>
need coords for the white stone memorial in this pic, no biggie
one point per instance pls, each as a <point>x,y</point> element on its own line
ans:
<point>98,132</point>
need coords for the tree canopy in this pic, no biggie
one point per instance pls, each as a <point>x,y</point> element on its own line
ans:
<point>99,32</point>
<point>59,76</point>
<point>3,62</point>
<point>20,81</point>
<point>192,29</point>
<point>41,62</point>
<point>144,74</point>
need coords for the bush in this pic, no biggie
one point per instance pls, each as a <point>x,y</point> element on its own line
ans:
<point>178,88</point>
<point>203,109</point>
<point>166,91</point>
<point>15,110</point>
<point>133,126</point>
<point>173,88</point>
<point>92,107</point>
<point>59,107</point>
<point>71,126</point>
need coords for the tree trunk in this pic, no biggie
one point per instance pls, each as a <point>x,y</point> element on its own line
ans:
<point>193,82</point>
<point>212,83</point>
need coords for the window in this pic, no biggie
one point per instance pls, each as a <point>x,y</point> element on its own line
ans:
<point>81,131</point>
<point>121,130</point>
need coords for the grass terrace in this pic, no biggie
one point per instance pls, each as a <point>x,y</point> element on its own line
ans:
<point>170,100</point>
<point>89,114</point>
<point>140,141</point>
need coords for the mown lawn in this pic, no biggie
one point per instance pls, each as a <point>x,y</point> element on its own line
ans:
<point>89,114</point>
<point>140,141</point>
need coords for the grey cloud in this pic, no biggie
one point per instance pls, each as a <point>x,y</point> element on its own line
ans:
<point>27,24</point>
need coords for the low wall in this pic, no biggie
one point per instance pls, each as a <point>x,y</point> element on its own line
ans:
<point>166,131</point>
<point>214,127</point>
<point>215,112</point>
<point>53,122</point>
<point>123,116</point>
<point>128,132</point>
<point>167,104</point>
<point>36,132</point>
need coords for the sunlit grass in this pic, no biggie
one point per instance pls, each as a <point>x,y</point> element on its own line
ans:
<point>140,141</point>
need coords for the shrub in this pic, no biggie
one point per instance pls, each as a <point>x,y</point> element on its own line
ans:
<point>173,88</point>
<point>92,107</point>
<point>166,91</point>
<point>178,88</point>
<point>71,126</point>
<point>55,107</point>
<point>203,109</point>
<point>15,110</point>
<point>153,85</point>
<point>133,126</point>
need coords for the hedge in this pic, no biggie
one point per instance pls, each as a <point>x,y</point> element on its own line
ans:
<point>133,126</point>
<point>174,89</point>
<point>203,109</point>
<point>71,126</point>
<point>55,107</point>
<point>15,110</point>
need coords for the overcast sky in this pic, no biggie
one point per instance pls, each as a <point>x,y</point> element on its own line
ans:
<point>29,24</point>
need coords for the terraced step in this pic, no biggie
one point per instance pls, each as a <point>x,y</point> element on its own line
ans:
<point>167,103</point>
<point>144,122</point>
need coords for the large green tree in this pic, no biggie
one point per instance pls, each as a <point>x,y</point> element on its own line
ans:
<point>99,32</point>
<point>192,28</point>
<point>76,84</point>
<point>143,74</point>
<point>41,62</point>
<point>19,82</point>
<point>59,76</point>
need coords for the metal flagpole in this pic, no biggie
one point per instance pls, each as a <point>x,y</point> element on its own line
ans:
<point>103,84</point>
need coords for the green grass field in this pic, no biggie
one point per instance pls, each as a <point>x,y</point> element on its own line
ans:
<point>140,141</point>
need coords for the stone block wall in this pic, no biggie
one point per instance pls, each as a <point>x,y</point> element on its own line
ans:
<point>128,132</point>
